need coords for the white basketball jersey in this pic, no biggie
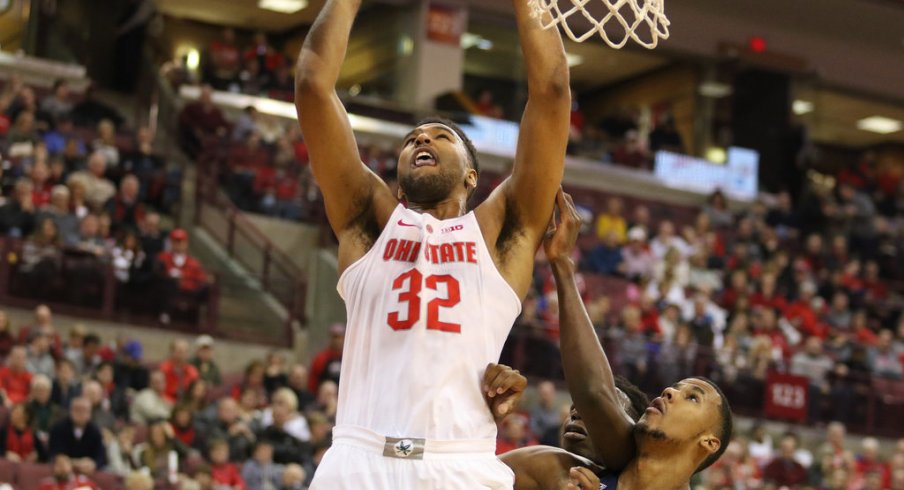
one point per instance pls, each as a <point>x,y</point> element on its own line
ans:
<point>427,311</point>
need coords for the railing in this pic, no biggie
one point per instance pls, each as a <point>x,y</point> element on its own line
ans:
<point>277,273</point>
<point>100,297</point>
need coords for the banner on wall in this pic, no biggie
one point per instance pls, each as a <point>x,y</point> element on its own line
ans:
<point>446,24</point>
<point>737,177</point>
<point>787,397</point>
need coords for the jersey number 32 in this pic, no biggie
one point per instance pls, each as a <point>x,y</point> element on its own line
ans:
<point>411,283</point>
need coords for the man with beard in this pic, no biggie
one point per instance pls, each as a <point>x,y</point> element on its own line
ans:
<point>577,460</point>
<point>431,290</point>
<point>680,433</point>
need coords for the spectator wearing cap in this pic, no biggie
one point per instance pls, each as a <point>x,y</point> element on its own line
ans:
<point>327,363</point>
<point>181,270</point>
<point>97,188</point>
<point>636,258</point>
<point>15,379</point>
<point>151,403</point>
<point>77,437</point>
<point>125,209</point>
<point>129,373</point>
<point>179,373</point>
<point>208,369</point>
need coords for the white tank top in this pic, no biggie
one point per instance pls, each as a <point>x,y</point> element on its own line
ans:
<point>427,311</point>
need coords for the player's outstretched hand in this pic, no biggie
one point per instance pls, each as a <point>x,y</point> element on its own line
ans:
<point>502,387</point>
<point>562,236</point>
<point>583,478</point>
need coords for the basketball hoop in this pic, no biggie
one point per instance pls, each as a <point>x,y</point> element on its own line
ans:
<point>631,15</point>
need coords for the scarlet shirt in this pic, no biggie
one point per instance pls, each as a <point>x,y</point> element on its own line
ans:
<point>177,378</point>
<point>16,385</point>
<point>185,268</point>
<point>227,474</point>
<point>74,483</point>
<point>319,365</point>
<point>22,443</point>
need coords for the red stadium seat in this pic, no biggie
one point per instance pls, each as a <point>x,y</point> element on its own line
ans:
<point>30,475</point>
<point>8,471</point>
<point>107,481</point>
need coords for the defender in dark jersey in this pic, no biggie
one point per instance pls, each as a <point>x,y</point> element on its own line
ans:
<point>680,433</point>
<point>552,468</point>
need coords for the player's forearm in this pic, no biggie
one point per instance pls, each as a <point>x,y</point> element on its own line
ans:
<point>587,371</point>
<point>544,56</point>
<point>324,48</point>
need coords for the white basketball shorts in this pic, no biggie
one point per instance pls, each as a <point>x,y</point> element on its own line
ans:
<point>363,460</point>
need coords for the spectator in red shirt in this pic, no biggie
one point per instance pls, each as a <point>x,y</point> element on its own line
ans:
<point>180,274</point>
<point>179,373</point>
<point>784,471</point>
<point>40,179</point>
<point>327,363</point>
<point>224,62</point>
<point>268,58</point>
<point>224,473</point>
<point>768,295</point>
<point>801,314</point>
<point>15,380</point>
<point>869,462</point>
<point>17,440</point>
<point>200,120</point>
<point>64,478</point>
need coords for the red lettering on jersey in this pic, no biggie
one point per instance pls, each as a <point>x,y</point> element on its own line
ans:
<point>472,252</point>
<point>447,253</point>
<point>403,250</point>
<point>390,249</point>
<point>459,251</point>
<point>415,251</point>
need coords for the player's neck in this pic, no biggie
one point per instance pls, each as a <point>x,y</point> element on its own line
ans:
<point>651,470</point>
<point>451,207</point>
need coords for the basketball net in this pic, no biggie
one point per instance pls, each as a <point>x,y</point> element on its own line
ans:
<point>650,13</point>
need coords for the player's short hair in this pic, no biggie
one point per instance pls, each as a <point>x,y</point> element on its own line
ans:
<point>639,400</point>
<point>472,151</point>
<point>725,430</point>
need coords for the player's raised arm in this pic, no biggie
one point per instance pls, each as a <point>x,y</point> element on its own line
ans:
<point>540,156</point>
<point>587,370</point>
<point>349,187</point>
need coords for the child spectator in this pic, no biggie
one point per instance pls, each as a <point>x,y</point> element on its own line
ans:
<point>223,472</point>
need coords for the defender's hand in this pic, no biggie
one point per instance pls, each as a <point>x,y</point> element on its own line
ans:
<point>562,236</point>
<point>583,478</point>
<point>503,388</point>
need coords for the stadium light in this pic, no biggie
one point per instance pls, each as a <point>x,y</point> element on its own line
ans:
<point>879,124</point>
<point>801,107</point>
<point>283,6</point>
<point>193,59</point>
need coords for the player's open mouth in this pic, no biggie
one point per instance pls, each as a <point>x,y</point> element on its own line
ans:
<point>424,158</point>
<point>657,405</point>
<point>575,432</point>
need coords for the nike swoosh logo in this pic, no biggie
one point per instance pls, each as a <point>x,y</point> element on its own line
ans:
<point>402,223</point>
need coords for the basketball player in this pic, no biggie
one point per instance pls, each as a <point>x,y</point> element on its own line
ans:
<point>431,291</point>
<point>578,460</point>
<point>680,433</point>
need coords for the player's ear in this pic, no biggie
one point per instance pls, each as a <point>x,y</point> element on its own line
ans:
<point>471,179</point>
<point>400,194</point>
<point>710,443</point>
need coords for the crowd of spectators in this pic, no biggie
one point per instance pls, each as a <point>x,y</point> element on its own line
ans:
<point>811,288</point>
<point>81,193</point>
<point>93,407</point>
<point>755,460</point>
<point>256,69</point>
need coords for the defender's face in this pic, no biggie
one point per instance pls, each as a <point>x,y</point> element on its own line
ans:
<point>685,410</point>
<point>432,163</point>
